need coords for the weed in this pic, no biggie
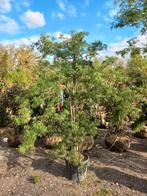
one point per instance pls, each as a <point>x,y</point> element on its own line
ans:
<point>36,179</point>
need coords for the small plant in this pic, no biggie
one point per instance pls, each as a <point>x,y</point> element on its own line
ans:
<point>36,179</point>
<point>103,192</point>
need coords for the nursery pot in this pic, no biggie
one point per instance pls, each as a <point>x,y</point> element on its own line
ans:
<point>14,141</point>
<point>117,142</point>
<point>77,173</point>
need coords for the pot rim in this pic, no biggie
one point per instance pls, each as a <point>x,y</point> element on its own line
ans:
<point>85,161</point>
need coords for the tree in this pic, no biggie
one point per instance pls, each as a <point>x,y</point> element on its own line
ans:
<point>72,72</point>
<point>132,49</point>
<point>132,13</point>
<point>137,72</point>
<point>17,66</point>
<point>17,72</point>
<point>119,102</point>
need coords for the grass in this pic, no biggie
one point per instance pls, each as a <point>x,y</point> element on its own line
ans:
<point>103,192</point>
<point>36,179</point>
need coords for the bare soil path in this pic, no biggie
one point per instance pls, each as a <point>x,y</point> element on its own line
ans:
<point>109,174</point>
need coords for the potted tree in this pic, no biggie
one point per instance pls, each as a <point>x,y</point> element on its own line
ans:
<point>72,67</point>
<point>120,105</point>
<point>16,75</point>
<point>137,72</point>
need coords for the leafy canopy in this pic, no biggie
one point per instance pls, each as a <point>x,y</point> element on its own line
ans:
<point>132,13</point>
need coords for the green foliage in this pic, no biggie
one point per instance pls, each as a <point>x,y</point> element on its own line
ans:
<point>8,105</point>
<point>20,78</point>
<point>119,105</point>
<point>17,66</point>
<point>137,72</point>
<point>23,115</point>
<point>36,179</point>
<point>141,121</point>
<point>37,128</point>
<point>17,73</point>
<point>73,73</point>
<point>119,97</point>
<point>132,49</point>
<point>35,104</point>
<point>109,61</point>
<point>103,192</point>
<point>132,13</point>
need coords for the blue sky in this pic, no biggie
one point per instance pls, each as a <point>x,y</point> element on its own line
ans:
<point>23,19</point>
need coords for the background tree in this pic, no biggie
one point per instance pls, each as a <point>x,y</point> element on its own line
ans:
<point>131,13</point>
<point>132,49</point>
<point>137,72</point>
<point>18,71</point>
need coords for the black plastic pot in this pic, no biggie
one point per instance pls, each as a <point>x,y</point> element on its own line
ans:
<point>77,173</point>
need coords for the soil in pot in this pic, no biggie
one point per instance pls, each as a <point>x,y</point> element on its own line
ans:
<point>77,173</point>
<point>52,141</point>
<point>117,142</point>
<point>142,133</point>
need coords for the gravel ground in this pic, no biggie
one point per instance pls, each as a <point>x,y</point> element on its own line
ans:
<point>109,174</point>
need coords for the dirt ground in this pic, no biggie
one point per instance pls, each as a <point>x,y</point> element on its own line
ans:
<point>109,174</point>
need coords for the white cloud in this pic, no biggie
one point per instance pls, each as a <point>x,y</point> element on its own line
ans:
<point>142,40</point>
<point>33,39</point>
<point>33,19</point>
<point>59,15</point>
<point>112,48</point>
<point>120,45</point>
<point>8,25</point>
<point>5,6</point>
<point>59,34</point>
<point>22,41</point>
<point>67,8</point>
